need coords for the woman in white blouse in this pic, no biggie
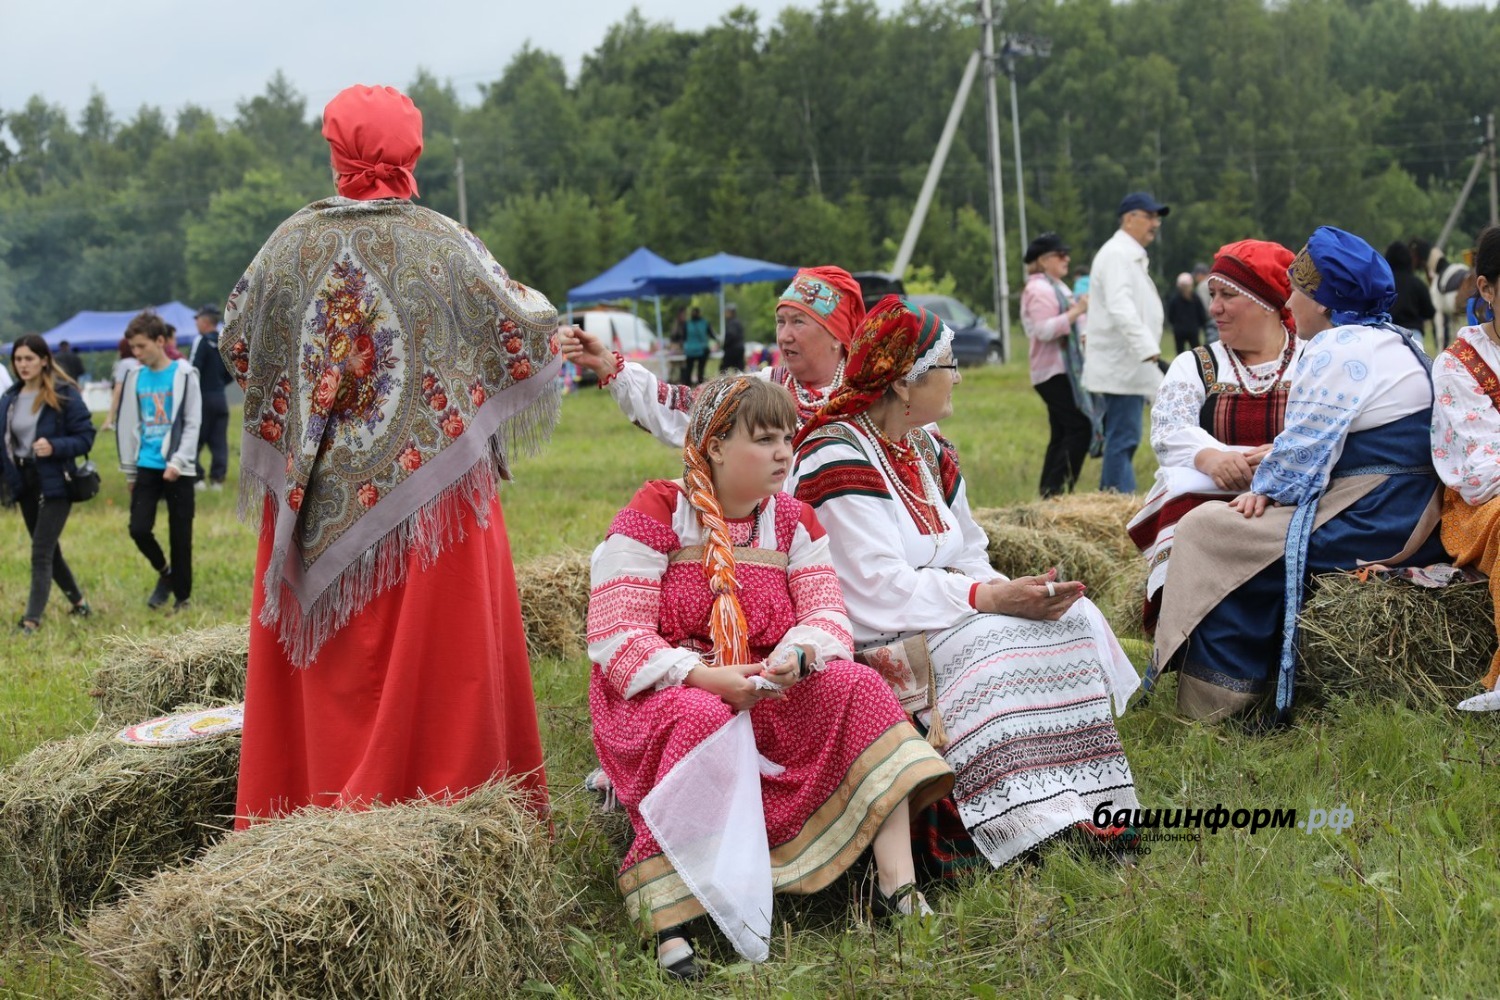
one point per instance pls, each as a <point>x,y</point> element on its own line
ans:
<point>1466,439</point>
<point>1219,407</point>
<point>1013,679</point>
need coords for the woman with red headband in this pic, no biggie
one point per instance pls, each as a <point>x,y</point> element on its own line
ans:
<point>1219,407</point>
<point>705,589</point>
<point>391,368</point>
<point>815,319</point>
<point>1012,678</point>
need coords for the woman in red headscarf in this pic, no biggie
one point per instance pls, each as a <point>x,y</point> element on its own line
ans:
<point>390,367</point>
<point>704,585</point>
<point>1219,407</point>
<point>816,317</point>
<point>1013,679</point>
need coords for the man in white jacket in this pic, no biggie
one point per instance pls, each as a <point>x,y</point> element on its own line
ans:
<point>1123,342</point>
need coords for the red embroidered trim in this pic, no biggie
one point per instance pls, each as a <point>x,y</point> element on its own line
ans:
<point>605,380</point>
<point>836,479</point>
<point>1476,366</point>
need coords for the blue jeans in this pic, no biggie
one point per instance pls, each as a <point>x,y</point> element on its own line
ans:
<point>1122,435</point>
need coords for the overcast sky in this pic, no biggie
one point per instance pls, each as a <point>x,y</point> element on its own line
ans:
<point>211,53</point>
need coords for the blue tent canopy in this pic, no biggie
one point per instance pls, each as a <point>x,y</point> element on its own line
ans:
<point>101,331</point>
<point>641,275</point>
<point>727,269</point>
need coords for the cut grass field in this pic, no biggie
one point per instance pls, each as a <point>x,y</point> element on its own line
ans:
<point>1404,902</point>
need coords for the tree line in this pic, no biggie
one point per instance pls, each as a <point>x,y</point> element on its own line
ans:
<point>801,140</point>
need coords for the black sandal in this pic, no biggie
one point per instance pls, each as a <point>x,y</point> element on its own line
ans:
<point>678,961</point>
<point>81,610</point>
<point>906,901</point>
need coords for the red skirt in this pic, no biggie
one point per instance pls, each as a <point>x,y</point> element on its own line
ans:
<point>426,692</point>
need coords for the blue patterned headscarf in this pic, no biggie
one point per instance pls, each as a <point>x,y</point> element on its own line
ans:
<point>1344,273</point>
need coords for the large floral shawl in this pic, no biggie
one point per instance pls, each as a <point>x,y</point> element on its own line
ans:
<point>389,367</point>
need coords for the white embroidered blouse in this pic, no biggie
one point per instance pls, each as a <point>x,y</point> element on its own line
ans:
<point>1465,423</point>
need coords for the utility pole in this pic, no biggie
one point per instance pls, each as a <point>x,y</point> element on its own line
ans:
<point>1486,155</point>
<point>997,191</point>
<point>463,194</point>
<point>1016,47</point>
<point>1489,140</point>
<point>935,169</point>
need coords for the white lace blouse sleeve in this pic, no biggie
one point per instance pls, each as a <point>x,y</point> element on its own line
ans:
<point>1176,435</point>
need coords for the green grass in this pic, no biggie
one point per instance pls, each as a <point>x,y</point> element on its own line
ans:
<point>1404,903</point>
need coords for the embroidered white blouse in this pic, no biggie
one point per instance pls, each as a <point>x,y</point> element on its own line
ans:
<point>662,408</point>
<point>1177,435</point>
<point>1465,423</point>
<point>1348,379</point>
<point>896,580</point>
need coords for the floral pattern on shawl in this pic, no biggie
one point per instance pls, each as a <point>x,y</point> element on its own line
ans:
<point>389,365</point>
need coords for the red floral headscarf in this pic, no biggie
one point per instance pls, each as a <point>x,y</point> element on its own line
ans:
<point>897,340</point>
<point>375,135</point>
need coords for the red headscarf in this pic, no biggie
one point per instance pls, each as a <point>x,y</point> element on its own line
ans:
<point>1257,268</point>
<point>895,339</point>
<point>375,134</point>
<point>831,296</point>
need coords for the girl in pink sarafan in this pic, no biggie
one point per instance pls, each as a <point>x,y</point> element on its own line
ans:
<point>712,595</point>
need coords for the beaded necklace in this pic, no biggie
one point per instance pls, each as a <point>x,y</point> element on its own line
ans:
<point>754,527</point>
<point>894,456</point>
<point>1255,385</point>
<point>812,400</point>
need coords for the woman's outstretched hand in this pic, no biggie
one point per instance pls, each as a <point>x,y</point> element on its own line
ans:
<point>1250,504</point>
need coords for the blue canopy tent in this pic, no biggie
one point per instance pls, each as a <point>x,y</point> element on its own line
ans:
<point>727,269</point>
<point>101,331</point>
<point>641,275</point>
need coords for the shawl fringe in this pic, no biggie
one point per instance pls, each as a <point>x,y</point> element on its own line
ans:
<point>429,531</point>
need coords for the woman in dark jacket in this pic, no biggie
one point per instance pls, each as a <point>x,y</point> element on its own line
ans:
<point>1413,308</point>
<point>45,427</point>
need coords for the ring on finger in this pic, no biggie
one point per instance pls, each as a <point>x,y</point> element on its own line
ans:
<point>1051,589</point>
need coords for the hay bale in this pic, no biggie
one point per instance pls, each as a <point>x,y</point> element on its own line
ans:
<point>1391,638</point>
<point>554,603</point>
<point>82,817</point>
<point>1115,584</point>
<point>406,900</point>
<point>1099,518</point>
<point>143,677</point>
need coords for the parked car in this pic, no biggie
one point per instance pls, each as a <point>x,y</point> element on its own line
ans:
<point>974,343</point>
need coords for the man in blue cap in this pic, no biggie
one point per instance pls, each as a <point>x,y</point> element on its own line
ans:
<point>1348,481</point>
<point>1123,342</point>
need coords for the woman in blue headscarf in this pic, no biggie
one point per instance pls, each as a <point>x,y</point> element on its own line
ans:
<point>1348,480</point>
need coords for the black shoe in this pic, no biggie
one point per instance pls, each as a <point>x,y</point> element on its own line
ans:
<point>163,590</point>
<point>906,901</point>
<point>678,962</point>
<point>27,627</point>
<point>81,610</point>
<point>182,605</point>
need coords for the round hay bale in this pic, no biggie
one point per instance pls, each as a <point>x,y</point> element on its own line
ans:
<point>143,677</point>
<point>82,817</point>
<point>554,603</point>
<point>405,900</point>
<point>1390,638</point>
